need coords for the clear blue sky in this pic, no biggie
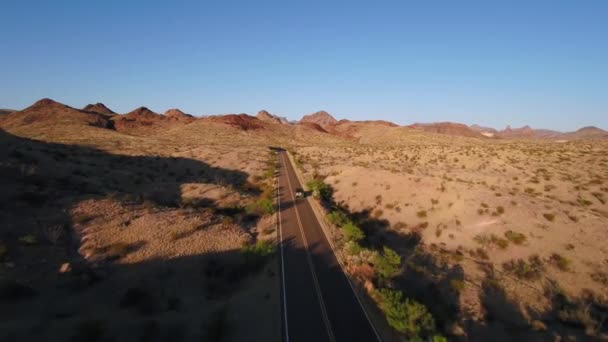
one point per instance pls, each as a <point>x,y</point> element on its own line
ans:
<point>543,63</point>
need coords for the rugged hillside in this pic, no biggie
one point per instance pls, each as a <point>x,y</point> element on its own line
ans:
<point>49,112</point>
<point>321,118</point>
<point>448,128</point>
<point>140,121</point>
<point>6,111</point>
<point>358,129</point>
<point>98,108</point>
<point>312,125</point>
<point>177,114</point>
<point>271,118</point>
<point>589,132</point>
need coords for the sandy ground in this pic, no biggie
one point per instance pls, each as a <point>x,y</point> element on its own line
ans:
<point>459,193</point>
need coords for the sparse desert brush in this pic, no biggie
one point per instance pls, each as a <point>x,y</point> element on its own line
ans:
<point>399,225</point>
<point>3,251</point>
<point>515,237</point>
<point>140,299</point>
<point>434,201</point>
<point>528,270</point>
<point>457,285</point>
<point>560,261</point>
<point>89,330</point>
<point>549,216</point>
<point>11,290</point>
<point>378,213</point>
<point>114,251</point>
<point>479,253</point>
<point>29,239</point>
<point>600,277</point>
<point>421,213</point>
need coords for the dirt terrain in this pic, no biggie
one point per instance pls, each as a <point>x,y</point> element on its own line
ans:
<point>166,222</point>
<point>531,214</point>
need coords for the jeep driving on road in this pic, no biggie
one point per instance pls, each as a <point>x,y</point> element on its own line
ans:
<point>299,193</point>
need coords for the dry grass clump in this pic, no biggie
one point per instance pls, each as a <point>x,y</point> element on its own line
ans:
<point>549,216</point>
<point>515,237</point>
<point>560,261</point>
<point>528,270</point>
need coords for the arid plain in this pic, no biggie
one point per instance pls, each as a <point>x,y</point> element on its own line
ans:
<point>162,227</point>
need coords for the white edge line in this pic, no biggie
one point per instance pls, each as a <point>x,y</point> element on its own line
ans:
<point>310,263</point>
<point>282,260</point>
<point>343,269</point>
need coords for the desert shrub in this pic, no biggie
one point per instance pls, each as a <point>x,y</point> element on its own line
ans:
<point>377,213</point>
<point>258,253</point>
<point>479,253</point>
<point>399,225</point>
<point>421,213</point>
<point>600,277</point>
<point>82,218</point>
<point>353,248</point>
<point>529,270</point>
<point>405,315</point>
<point>337,217</point>
<point>549,216</point>
<point>387,264</point>
<point>11,291</point>
<point>89,330</point>
<point>265,206</point>
<point>560,262</point>
<point>218,328</point>
<point>3,251</point>
<point>352,233</point>
<point>457,285</point>
<point>319,189</point>
<point>500,210</point>
<point>28,239</point>
<point>140,299</point>
<point>498,241</point>
<point>515,237</point>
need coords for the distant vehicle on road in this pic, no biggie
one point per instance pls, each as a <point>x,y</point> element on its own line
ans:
<point>299,193</point>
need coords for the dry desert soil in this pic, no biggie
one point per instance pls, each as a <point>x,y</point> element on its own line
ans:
<point>152,227</point>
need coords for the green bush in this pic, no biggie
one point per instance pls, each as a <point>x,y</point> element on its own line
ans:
<point>405,315</point>
<point>353,248</point>
<point>387,264</point>
<point>262,248</point>
<point>265,206</point>
<point>29,239</point>
<point>257,254</point>
<point>516,238</point>
<point>337,217</point>
<point>560,262</point>
<point>319,189</point>
<point>530,270</point>
<point>352,232</point>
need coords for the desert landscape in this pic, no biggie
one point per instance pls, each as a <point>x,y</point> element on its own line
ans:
<point>146,226</point>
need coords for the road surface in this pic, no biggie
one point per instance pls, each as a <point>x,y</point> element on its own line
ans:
<point>318,302</point>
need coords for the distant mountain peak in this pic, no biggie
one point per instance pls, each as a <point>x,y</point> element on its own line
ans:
<point>99,108</point>
<point>177,114</point>
<point>266,116</point>
<point>45,102</point>
<point>321,118</point>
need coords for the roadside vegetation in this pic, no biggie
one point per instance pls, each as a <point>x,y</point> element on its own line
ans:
<point>408,317</point>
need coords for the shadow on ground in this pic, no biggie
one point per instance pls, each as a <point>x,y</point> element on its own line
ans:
<point>188,298</point>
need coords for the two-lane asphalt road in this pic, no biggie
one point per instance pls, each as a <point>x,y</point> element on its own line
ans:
<point>318,302</point>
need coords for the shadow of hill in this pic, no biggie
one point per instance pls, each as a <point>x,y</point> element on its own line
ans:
<point>163,299</point>
<point>38,175</point>
<point>193,298</point>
